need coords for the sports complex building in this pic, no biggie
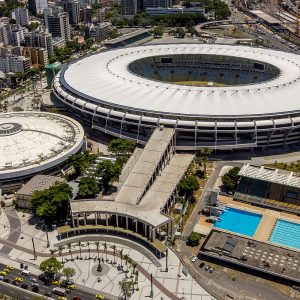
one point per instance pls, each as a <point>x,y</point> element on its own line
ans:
<point>35,143</point>
<point>218,96</point>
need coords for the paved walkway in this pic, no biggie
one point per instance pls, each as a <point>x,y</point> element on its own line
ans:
<point>14,228</point>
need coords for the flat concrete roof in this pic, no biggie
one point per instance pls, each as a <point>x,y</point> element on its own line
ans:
<point>39,183</point>
<point>139,177</point>
<point>149,209</point>
<point>269,19</point>
<point>266,257</point>
<point>270,175</point>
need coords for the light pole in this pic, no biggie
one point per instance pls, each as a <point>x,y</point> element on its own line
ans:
<point>34,253</point>
<point>151,281</point>
<point>48,244</point>
<point>167,260</point>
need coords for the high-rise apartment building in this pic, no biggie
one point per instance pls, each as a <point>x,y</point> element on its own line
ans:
<point>20,15</point>
<point>4,33</point>
<point>58,25</point>
<point>37,6</point>
<point>51,10</point>
<point>72,7</point>
<point>41,40</point>
<point>129,7</point>
<point>15,64</point>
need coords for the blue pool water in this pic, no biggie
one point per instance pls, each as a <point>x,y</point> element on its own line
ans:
<point>286,233</point>
<point>238,221</point>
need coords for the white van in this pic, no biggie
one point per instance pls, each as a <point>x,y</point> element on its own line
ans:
<point>25,272</point>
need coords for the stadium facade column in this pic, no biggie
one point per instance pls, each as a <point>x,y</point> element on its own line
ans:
<point>106,219</point>
<point>96,218</point>
<point>73,223</point>
<point>84,219</point>
<point>126,222</point>
<point>117,220</point>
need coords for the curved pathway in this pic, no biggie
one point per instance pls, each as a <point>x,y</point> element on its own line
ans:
<point>15,229</point>
<point>113,239</point>
<point>156,283</point>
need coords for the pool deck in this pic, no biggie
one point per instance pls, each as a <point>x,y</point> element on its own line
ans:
<point>266,225</point>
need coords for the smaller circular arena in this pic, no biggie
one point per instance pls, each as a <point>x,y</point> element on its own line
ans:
<point>35,143</point>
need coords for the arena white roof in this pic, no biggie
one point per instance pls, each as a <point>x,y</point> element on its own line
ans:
<point>105,77</point>
<point>32,142</point>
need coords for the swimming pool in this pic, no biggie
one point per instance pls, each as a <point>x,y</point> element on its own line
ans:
<point>286,233</point>
<point>238,221</point>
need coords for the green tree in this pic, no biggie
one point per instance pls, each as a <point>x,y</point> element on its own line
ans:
<point>81,161</point>
<point>88,187</point>
<point>121,147</point>
<point>230,179</point>
<point>51,265</point>
<point>69,272</point>
<point>189,184</point>
<point>193,239</point>
<point>158,31</point>
<point>180,33</point>
<point>202,156</point>
<point>126,287</point>
<point>53,203</point>
<point>108,171</point>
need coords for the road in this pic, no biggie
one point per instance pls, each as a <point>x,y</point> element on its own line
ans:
<point>17,292</point>
<point>143,271</point>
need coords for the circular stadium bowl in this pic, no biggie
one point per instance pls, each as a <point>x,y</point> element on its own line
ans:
<point>217,96</point>
<point>35,143</point>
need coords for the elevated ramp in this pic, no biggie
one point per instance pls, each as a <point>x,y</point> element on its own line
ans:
<point>153,158</point>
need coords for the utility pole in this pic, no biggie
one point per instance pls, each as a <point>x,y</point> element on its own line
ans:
<point>34,253</point>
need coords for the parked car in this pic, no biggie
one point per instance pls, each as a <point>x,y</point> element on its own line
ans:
<point>1,278</point>
<point>210,270</point>
<point>194,258</point>
<point>35,289</point>
<point>24,286</point>
<point>207,268</point>
<point>7,280</point>
<point>34,280</point>
<point>202,264</point>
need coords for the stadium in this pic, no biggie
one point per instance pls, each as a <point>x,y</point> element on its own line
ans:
<point>217,96</point>
<point>35,143</point>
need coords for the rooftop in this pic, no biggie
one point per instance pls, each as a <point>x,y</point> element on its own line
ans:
<point>34,141</point>
<point>266,257</point>
<point>265,17</point>
<point>270,175</point>
<point>38,183</point>
<point>126,91</point>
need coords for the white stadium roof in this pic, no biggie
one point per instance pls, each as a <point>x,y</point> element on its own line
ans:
<point>32,142</point>
<point>105,78</point>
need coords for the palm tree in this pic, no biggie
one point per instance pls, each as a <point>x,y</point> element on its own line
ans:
<point>89,250</point>
<point>70,249</point>
<point>105,250</point>
<point>60,249</point>
<point>202,157</point>
<point>97,244</point>
<point>79,245</point>
<point>114,248</point>
<point>121,256</point>
<point>126,258</point>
